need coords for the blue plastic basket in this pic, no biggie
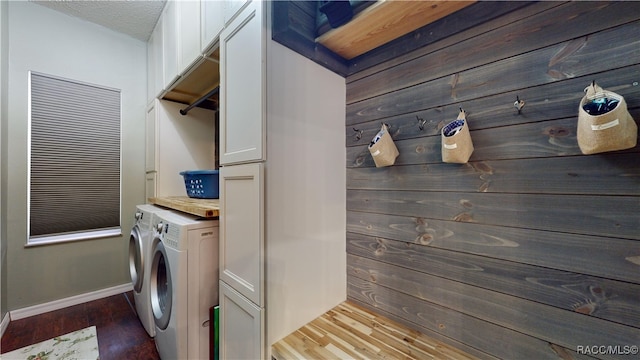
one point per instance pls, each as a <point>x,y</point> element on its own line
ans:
<point>202,184</point>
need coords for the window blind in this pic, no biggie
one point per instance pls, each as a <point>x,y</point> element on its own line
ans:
<point>74,170</point>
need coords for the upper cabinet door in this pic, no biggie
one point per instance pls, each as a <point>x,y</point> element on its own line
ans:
<point>212,23</point>
<point>155,45</point>
<point>189,32</point>
<point>231,8</point>
<point>242,90</point>
<point>151,68</point>
<point>170,44</point>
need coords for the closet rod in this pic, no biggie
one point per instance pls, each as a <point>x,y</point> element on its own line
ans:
<point>197,102</point>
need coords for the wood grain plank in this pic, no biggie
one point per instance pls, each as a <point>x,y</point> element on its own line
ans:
<point>545,28</point>
<point>618,174</point>
<point>545,139</point>
<point>389,334</point>
<point>530,225</point>
<point>297,16</point>
<point>383,22</point>
<point>297,37</point>
<point>207,208</point>
<point>438,319</point>
<point>599,52</point>
<point>386,350</point>
<point>568,329</point>
<point>600,298</point>
<point>545,102</point>
<point>608,216</point>
<point>602,257</point>
<point>309,349</point>
<point>463,24</point>
<point>349,331</point>
<point>282,350</point>
<point>467,23</point>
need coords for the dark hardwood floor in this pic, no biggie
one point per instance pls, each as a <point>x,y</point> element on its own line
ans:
<point>120,334</point>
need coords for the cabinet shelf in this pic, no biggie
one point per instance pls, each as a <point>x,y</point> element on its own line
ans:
<point>206,208</point>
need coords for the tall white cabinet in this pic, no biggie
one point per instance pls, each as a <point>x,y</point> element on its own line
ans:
<point>282,187</point>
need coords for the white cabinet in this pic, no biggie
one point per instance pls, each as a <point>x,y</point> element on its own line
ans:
<point>283,217</point>
<point>241,232</point>
<point>188,34</point>
<point>212,23</point>
<point>241,327</point>
<point>231,8</point>
<point>170,44</point>
<point>151,69</point>
<point>242,98</point>
<point>176,143</point>
<point>155,72</point>
<point>150,185</point>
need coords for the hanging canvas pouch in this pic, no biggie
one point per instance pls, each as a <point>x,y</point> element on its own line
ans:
<point>456,140</point>
<point>382,148</point>
<point>604,123</point>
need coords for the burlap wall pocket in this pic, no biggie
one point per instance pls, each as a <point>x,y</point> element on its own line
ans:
<point>382,148</point>
<point>456,141</point>
<point>604,123</point>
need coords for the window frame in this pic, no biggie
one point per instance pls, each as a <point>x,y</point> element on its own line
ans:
<point>81,235</point>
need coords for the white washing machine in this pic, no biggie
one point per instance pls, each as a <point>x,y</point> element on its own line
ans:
<point>140,263</point>
<point>184,284</point>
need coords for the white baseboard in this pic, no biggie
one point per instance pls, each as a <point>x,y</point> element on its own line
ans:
<point>70,301</point>
<point>5,323</point>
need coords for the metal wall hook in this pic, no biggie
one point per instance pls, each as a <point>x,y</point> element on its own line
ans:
<point>519,104</point>
<point>358,134</point>
<point>421,122</point>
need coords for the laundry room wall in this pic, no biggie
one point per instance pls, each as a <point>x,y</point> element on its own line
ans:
<point>49,42</point>
<point>4,67</point>
<point>531,250</point>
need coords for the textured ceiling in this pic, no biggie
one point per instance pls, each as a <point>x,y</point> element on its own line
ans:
<point>135,18</point>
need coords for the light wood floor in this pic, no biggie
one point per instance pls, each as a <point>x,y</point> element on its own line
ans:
<point>349,331</point>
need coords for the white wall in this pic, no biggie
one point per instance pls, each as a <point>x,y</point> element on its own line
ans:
<point>4,63</point>
<point>305,191</point>
<point>49,42</point>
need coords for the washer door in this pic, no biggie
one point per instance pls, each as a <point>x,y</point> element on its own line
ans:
<point>136,259</point>
<point>161,288</point>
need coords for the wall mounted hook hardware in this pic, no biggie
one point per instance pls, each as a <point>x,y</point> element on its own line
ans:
<point>421,122</point>
<point>358,134</point>
<point>519,104</point>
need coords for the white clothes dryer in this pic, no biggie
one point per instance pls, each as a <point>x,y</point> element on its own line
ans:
<point>140,263</point>
<point>184,284</point>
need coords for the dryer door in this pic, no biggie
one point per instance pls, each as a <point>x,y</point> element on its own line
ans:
<point>161,288</point>
<point>136,259</point>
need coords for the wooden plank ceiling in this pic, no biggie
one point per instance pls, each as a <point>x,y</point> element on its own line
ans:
<point>383,22</point>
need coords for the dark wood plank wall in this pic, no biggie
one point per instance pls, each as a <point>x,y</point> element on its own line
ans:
<point>532,249</point>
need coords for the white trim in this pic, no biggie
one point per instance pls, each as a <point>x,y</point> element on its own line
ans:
<point>70,301</point>
<point>67,237</point>
<point>4,324</point>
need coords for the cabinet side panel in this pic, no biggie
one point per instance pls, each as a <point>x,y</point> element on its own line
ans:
<point>305,191</point>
